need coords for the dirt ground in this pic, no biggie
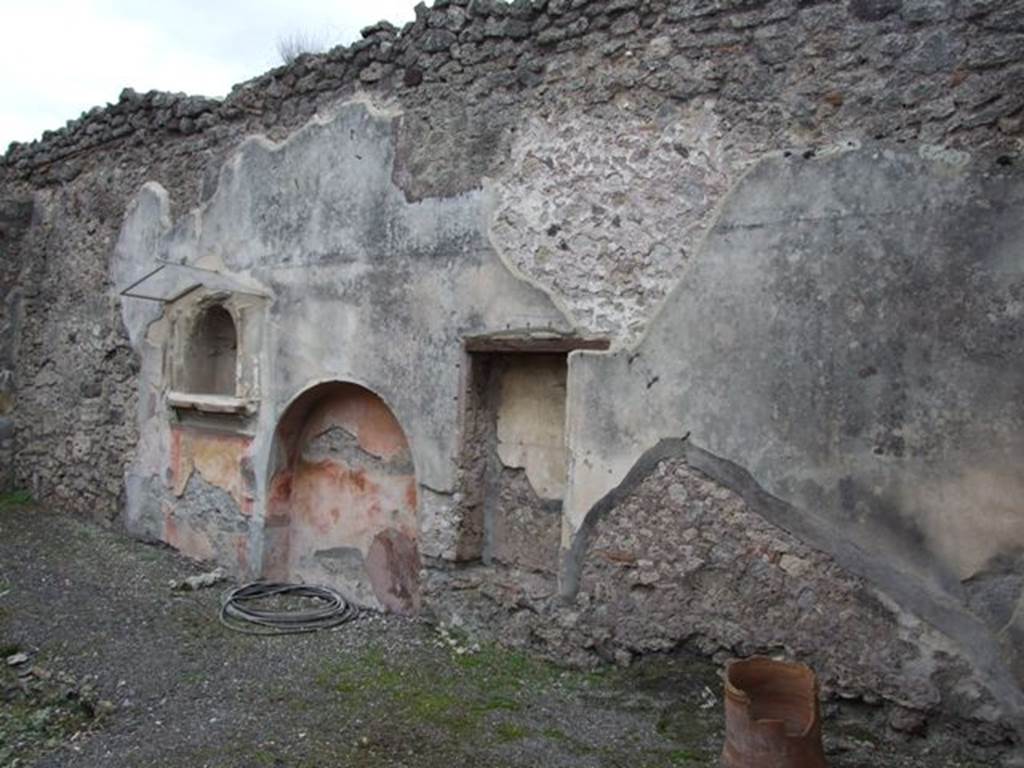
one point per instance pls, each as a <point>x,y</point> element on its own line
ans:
<point>120,670</point>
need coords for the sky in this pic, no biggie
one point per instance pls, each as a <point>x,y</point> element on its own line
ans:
<point>62,57</point>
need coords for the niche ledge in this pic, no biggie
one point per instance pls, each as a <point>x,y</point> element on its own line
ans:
<point>219,404</point>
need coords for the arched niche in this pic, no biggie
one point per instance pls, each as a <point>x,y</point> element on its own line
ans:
<point>214,340</point>
<point>343,498</point>
<point>211,364</point>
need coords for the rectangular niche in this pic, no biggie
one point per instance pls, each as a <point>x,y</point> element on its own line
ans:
<point>211,369</point>
<point>514,452</point>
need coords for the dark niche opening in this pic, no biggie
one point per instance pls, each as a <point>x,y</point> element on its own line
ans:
<point>213,354</point>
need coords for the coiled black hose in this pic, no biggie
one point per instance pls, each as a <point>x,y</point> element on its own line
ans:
<point>238,609</point>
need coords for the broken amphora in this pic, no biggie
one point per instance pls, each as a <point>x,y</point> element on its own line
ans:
<point>772,715</point>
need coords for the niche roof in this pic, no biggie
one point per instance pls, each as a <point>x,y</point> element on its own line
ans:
<point>168,282</point>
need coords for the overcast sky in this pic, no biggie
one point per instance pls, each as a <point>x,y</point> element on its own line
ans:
<point>62,57</point>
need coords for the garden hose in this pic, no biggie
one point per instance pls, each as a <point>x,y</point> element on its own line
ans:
<point>239,611</point>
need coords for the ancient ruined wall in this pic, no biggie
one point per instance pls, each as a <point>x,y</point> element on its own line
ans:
<point>513,459</point>
<point>351,284</point>
<point>590,147</point>
<point>681,560</point>
<point>847,347</point>
<point>15,219</point>
<point>642,112</point>
<point>76,376</point>
<point>685,559</point>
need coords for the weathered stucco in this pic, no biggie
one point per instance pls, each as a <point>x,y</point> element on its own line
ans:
<point>362,287</point>
<point>861,310</point>
<point>342,498</point>
<point>531,421</point>
<point>850,336</point>
<point>797,224</point>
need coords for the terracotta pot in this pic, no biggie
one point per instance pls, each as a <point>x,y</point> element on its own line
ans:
<point>772,716</point>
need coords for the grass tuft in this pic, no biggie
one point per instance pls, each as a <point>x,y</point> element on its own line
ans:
<point>16,498</point>
<point>508,732</point>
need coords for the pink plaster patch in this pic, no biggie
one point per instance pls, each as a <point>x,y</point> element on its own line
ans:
<point>242,553</point>
<point>186,539</point>
<point>332,505</point>
<point>218,458</point>
<point>393,564</point>
<point>361,413</point>
<point>175,459</point>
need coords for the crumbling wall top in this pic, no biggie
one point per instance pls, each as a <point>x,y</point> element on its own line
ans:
<point>901,65</point>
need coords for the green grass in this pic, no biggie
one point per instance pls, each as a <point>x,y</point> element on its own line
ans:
<point>474,701</point>
<point>687,757</point>
<point>509,732</point>
<point>451,704</point>
<point>193,678</point>
<point>455,697</point>
<point>859,732</point>
<point>17,498</point>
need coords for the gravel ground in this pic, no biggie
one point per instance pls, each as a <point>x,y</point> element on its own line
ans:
<point>126,672</point>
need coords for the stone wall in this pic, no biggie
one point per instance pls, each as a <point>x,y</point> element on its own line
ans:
<point>589,148</point>
<point>330,281</point>
<point>15,220</point>
<point>75,381</point>
<point>513,458</point>
<point>630,102</point>
<point>848,337</point>
<point>682,561</point>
